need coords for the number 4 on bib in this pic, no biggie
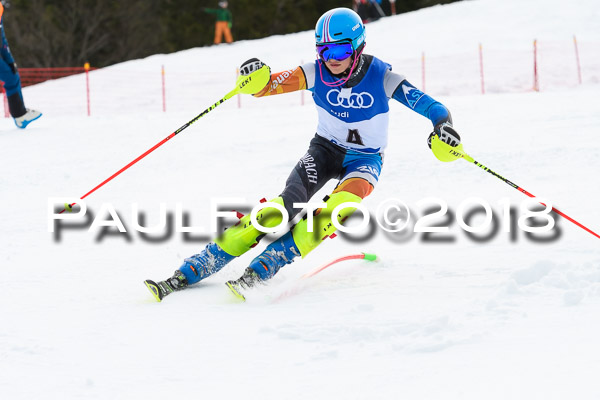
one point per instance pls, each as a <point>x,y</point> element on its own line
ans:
<point>354,137</point>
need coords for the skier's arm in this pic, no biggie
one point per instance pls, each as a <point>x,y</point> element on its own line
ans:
<point>211,10</point>
<point>423,104</point>
<point>285,82</point>
<point>416,100</point>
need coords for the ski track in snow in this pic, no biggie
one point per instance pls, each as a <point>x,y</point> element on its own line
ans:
<point>456,320</point>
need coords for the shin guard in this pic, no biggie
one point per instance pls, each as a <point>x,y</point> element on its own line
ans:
<point>241,237</point>
<point>322,222</point>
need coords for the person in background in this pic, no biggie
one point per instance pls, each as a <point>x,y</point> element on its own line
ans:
<point>362,8</point>
<point>375,10</point>
<point>223,24</point>
<point>9,75</point>
<point>368,10</point>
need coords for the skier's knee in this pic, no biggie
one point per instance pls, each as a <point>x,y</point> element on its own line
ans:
<point>241,237</point>
<point>308,238</point>
<point>357,186</point>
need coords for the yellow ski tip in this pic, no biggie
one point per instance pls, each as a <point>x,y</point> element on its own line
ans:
<point>235,292</point>
<point>153,288</point>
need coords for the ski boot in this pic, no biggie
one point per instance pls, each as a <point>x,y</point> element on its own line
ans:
<point>276,255</point>
<point>246,281</point>
<point>164,288</point>
<point>28,117</point>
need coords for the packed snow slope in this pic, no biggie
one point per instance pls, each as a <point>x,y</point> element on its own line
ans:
<point>501,315</point>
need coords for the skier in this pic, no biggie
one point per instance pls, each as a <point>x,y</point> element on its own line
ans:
<point>351,91</point>
<point>223,24</point>
<point>9,75</point>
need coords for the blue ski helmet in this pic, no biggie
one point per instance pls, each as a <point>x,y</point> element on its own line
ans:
<point>340,25</point>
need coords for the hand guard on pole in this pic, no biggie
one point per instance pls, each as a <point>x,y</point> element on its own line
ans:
<point>445,143</point>
<point>446,133</point>
<point>254,76</point>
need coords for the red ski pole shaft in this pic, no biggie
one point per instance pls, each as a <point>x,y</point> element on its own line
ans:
<point>520,189</point>
<point>156,146</point>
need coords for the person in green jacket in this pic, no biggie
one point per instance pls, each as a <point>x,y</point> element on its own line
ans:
<point>223,24</point>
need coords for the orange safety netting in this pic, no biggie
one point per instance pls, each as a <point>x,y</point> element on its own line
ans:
<point>31,76</point>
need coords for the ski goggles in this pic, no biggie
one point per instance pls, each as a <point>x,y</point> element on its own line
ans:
<point>335,51</point>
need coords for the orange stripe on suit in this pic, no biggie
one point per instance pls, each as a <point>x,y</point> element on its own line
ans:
<point>284,82</point>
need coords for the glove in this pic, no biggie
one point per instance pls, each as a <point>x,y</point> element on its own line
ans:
<point>229,25</point>
<point>250,66</point>
<point>255,75</point>
<point>13,67</point>
<point>446,134</point>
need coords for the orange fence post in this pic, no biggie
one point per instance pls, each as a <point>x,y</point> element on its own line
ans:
<point>536,79</point>
<point>86,66</point>
<point>577,59</point>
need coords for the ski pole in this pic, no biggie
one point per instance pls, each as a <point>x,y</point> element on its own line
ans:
<point>444,152</point>
<point>470,159</point>
<point>69,207</point>
<point>256,77</point>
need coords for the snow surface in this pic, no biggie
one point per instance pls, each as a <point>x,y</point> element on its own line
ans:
<point>500,319</point>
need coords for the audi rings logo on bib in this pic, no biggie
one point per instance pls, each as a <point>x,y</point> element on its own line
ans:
<point>346,99</point>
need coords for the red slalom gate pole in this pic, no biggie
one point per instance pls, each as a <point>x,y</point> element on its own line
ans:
<point>86,66</point>
<point>481,68</point>
<point>577,59</point>
<point>361,256</point>
<point>69,207</point>
<point>301,284</point>
<point>536,81</point>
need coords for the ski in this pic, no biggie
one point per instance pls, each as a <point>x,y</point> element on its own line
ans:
<point>159,290</point>
<point>164,288</point>
<point>237,287</point>
<point>235,290</point>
